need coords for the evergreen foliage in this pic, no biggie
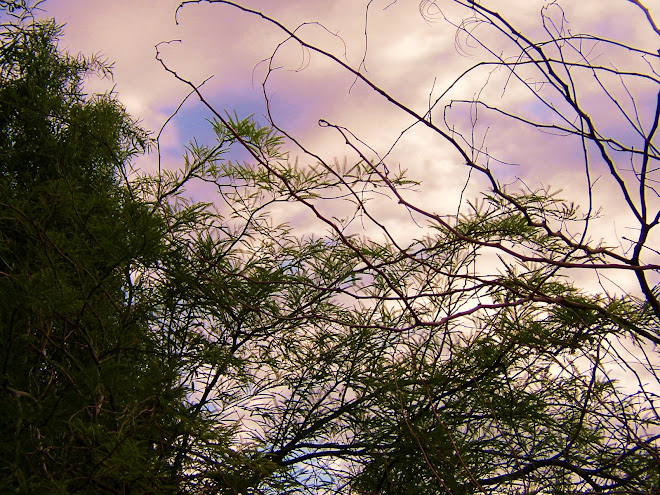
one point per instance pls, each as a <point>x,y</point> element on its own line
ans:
<point>89,402</point>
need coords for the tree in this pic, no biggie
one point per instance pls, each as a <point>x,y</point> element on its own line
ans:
<point>469,360</point>
<point>90,399</point>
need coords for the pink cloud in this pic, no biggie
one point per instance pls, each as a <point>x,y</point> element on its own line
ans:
<point>407,56</point>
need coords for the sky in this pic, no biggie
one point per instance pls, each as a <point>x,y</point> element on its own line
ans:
<point>408,48</point>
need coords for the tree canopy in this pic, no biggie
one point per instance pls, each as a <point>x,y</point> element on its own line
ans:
<point>90,398</point>
<point>472,359</point>
<point>154,343</point>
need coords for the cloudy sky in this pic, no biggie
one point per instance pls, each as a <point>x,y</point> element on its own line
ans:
<point>412,51</point>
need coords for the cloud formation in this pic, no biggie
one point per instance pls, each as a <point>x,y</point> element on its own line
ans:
<point>412,51</point>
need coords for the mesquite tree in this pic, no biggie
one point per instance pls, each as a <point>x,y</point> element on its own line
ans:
<point>477,357</point>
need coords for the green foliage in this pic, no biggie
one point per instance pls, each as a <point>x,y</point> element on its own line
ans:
<point>337,363</point>
<point>89,402</point>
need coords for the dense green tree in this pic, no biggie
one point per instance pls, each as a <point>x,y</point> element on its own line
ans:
<point>89,401</point>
